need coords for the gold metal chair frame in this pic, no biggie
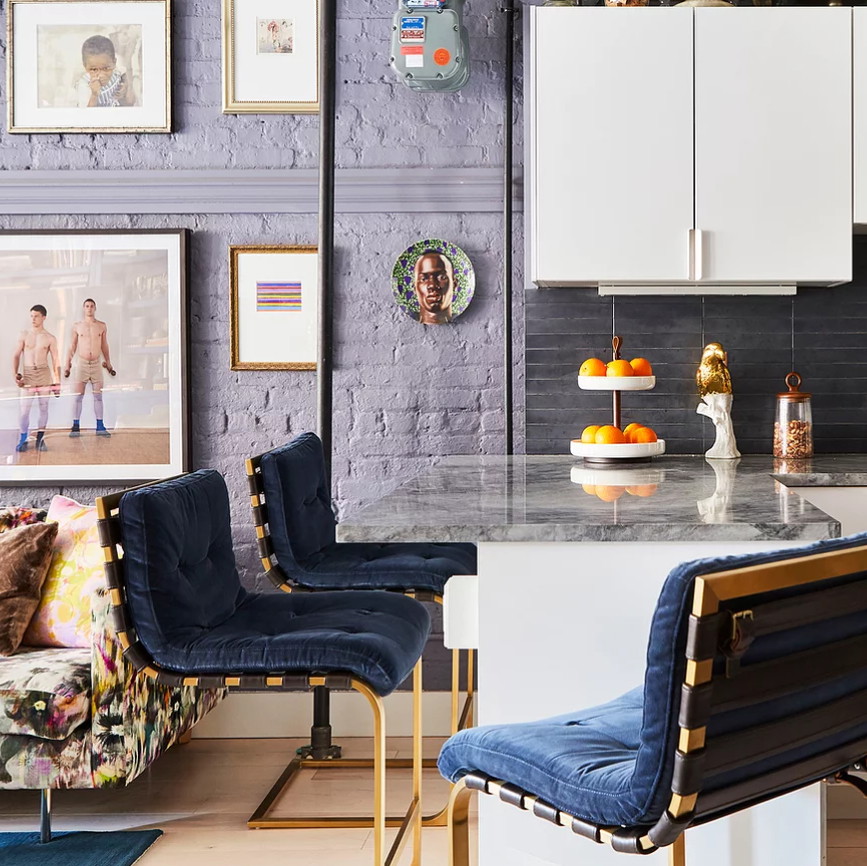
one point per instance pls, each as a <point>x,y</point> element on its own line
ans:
<point>710,593</point>
<point>460,717</point>
<point>135,652</point>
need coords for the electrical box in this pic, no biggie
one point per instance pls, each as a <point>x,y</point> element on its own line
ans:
<point>430,45</point>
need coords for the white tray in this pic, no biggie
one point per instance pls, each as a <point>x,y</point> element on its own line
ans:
<point>620,476</point>
<point>628,451</point>
<point>617,383</point>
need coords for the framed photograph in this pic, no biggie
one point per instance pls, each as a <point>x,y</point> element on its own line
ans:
<point>94,337</point>
<point>270,57</point>
<point>274,307</point>
<point>89,66</point>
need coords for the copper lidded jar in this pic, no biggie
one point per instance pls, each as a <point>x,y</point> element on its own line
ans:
<point>793,428</point>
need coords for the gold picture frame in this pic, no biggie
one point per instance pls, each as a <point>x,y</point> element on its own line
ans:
<point>38,103</point>
<point>259,79</point>
<point>273,307</point>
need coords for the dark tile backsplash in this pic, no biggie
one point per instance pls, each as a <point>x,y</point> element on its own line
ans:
<point>821,333</point>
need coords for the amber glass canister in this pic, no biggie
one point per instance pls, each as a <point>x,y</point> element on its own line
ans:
<point>793,428</point>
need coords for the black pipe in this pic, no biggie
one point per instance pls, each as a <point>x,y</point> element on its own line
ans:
<point>509,9</point>
<point>45,816</point>
<point>327,101</point>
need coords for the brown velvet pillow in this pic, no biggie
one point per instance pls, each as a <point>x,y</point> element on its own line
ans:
<point>25,555</point>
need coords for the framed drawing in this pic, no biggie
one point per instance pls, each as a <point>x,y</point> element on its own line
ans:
<point>89,66</point>
<point>95,342</point>
<point>270,57</point>
<point>274,307</point>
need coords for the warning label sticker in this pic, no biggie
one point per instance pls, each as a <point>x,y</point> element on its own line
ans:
<point>442,57</point>
<point>412,29</point>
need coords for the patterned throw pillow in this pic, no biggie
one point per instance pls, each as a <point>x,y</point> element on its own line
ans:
<point>63,616</point>
<point>20,515</point>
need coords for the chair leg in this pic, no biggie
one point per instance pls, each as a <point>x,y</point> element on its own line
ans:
<point>677,851</point>
<point>45,816</point>
<point>412,818</point>
<point>456,687</point>
<point>459,825</point>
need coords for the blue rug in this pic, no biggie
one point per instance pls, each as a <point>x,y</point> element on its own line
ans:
<point>118,848</point>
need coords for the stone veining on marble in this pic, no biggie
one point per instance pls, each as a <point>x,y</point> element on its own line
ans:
<point>534,498</point>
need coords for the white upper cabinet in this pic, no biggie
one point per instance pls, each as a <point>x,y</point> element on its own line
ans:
<point>612,167</point>
<point>683,146</point>
<point>859,42</point>
<point>773,144</point>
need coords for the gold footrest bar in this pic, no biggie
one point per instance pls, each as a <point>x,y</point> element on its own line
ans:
<point>261,819</point>
<point>402,835</point>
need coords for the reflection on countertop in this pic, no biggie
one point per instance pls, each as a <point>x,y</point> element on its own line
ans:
<point>539,498</point>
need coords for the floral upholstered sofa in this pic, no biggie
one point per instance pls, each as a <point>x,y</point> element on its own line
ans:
<point>80,717</point>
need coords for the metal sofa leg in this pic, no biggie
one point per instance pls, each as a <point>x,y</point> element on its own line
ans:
<point>677,851</point>
<point>45,816</point>
<point>459,824</point>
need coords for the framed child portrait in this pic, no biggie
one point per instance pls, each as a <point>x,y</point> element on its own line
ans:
<point>270,57</point>
<point>93,332</point>
<point>89,66</point>
<point>274,310</point>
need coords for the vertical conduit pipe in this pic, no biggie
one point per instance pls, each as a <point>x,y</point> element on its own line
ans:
<point>327,101</point>
<point>510,11</point>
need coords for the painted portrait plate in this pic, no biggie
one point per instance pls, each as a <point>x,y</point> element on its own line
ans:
<point>446,283</point>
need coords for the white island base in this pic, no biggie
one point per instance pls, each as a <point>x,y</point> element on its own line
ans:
<point>564,626</point>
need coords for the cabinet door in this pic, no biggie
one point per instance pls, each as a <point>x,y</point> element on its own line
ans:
<point>773,143</point>
<point>611,138</point>
<point>859,61</point>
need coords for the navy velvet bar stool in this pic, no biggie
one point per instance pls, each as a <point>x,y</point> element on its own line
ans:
<point>296,533</point>
<point>756,685</point>
<point>184,618</point>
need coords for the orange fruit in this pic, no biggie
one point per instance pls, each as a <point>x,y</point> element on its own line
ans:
<point>589,488</point>
<point>627,430</point>
<point>609,435</point>
<point>643,434</point>
<point>589,434</point>
<point>620,368</point>
<point>592,367</point>
<point>608,493</point>
<point>642,489</point>
<point>641,367</point>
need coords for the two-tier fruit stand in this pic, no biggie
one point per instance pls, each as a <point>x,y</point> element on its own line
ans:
<point>618,454</point>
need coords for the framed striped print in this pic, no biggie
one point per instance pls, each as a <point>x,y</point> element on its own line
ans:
<point>274,307</point>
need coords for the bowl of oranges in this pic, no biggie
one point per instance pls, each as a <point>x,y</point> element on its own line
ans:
<point>616,375</point>
<point>606,443</point>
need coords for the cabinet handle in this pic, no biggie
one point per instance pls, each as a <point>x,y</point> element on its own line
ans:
<point>696,254</point>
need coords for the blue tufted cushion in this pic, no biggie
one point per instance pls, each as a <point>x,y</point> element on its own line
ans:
<point>192,615</point>
<point>613,764</point>
<point>302,529</point>
<point>301,521</point>
<point>375,636</point>
<point>387,566</point>
<point>179,562</point>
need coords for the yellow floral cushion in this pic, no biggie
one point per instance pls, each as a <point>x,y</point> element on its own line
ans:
<point>63,616</point>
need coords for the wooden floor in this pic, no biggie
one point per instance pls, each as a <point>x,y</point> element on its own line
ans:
<point>125,446</point>
<point>201,795</point>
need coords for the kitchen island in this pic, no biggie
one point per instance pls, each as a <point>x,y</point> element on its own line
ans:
<point>571,561</point>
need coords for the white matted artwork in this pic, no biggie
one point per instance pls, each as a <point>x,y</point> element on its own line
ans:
<point>89,66</point>
<point>270,56</point>
<point>274,307</point>
<point>94,341</point>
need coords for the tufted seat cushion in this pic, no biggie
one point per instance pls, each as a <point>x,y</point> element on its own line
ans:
<point>388,566</point>
<point>192,614</point>
<point>585,758</point>
<point>302,529</point>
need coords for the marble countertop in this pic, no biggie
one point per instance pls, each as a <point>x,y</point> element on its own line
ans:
<point>554,498</point>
